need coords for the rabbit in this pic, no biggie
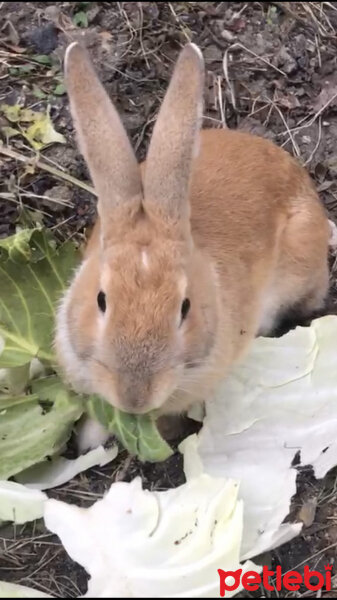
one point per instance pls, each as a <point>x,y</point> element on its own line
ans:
<point>195,252</point>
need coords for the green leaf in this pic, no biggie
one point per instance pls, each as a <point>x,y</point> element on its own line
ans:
<point>22,70</point>
<point>151,446</point>
<point>138,433</point>
<point>38,93</point>
<point>80,19</point>
<point>33,275</point>
<point>26,246</point>
<point>60,89</point>
<point>14,381</point>
<point>36,425</point>
<point>43,59</point>
<point>29,218</point>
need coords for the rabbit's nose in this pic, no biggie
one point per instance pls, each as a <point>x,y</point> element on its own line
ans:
<point>135,397</point>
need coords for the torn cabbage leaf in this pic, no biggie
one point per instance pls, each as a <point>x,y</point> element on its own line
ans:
<point>33,275</point>
<point>60,470</point>
<point>36,425</point>
<point>20,504</point>
<point>138,433</point>
<point>12,590</point>
<point>280,402</point>
<point>154,544</point>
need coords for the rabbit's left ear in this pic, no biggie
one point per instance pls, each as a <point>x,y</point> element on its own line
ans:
<point>169,160</point>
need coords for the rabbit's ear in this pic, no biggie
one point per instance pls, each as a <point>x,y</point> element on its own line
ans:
<point>175,135</point>
<point>101,135</point>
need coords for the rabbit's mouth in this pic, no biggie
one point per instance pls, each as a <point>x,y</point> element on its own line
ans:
<point>134,392</point>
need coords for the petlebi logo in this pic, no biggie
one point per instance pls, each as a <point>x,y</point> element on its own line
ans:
<point>275,580</point>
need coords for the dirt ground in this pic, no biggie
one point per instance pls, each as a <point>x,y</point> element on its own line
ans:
<point>271,70</point>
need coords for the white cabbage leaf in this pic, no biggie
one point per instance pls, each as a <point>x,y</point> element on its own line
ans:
<point>137,543</point>
<point>278,407</point>
<point>20,504</point>
<point>61,470</point>
<point>13,590</point>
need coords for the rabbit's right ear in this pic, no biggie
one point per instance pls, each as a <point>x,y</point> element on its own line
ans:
<point>102,137</point>
<point>174,138</point>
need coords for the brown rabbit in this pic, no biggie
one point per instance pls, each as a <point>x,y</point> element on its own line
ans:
<point>207,244</point>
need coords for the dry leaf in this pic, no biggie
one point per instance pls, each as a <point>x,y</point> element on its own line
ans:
<point>11,33</point>
<point>9,132</point>
<point>40,133</point>
<point>289,101</point>
<point>328,94</point>
<point>12,113</point>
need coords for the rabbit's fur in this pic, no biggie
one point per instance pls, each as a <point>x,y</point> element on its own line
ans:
<point>222,218</point>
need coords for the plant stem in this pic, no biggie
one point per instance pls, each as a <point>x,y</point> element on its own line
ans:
<point>7,151</point>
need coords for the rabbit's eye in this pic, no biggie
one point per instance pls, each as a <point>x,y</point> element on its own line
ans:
<point>185,307</point>
<point>101,301</point>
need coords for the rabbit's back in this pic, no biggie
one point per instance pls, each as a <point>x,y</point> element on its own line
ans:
<point>243,188</point>
<point>255,210</point>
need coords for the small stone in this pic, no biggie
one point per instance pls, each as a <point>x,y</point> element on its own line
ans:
<point>56,198</point>
<point>227,35</point>
<point>213,53</point>
<point>307,512</point>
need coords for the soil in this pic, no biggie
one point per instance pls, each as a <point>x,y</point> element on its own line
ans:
<point>271,70</point>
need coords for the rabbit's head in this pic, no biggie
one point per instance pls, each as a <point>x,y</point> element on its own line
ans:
<point>138,322</point>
